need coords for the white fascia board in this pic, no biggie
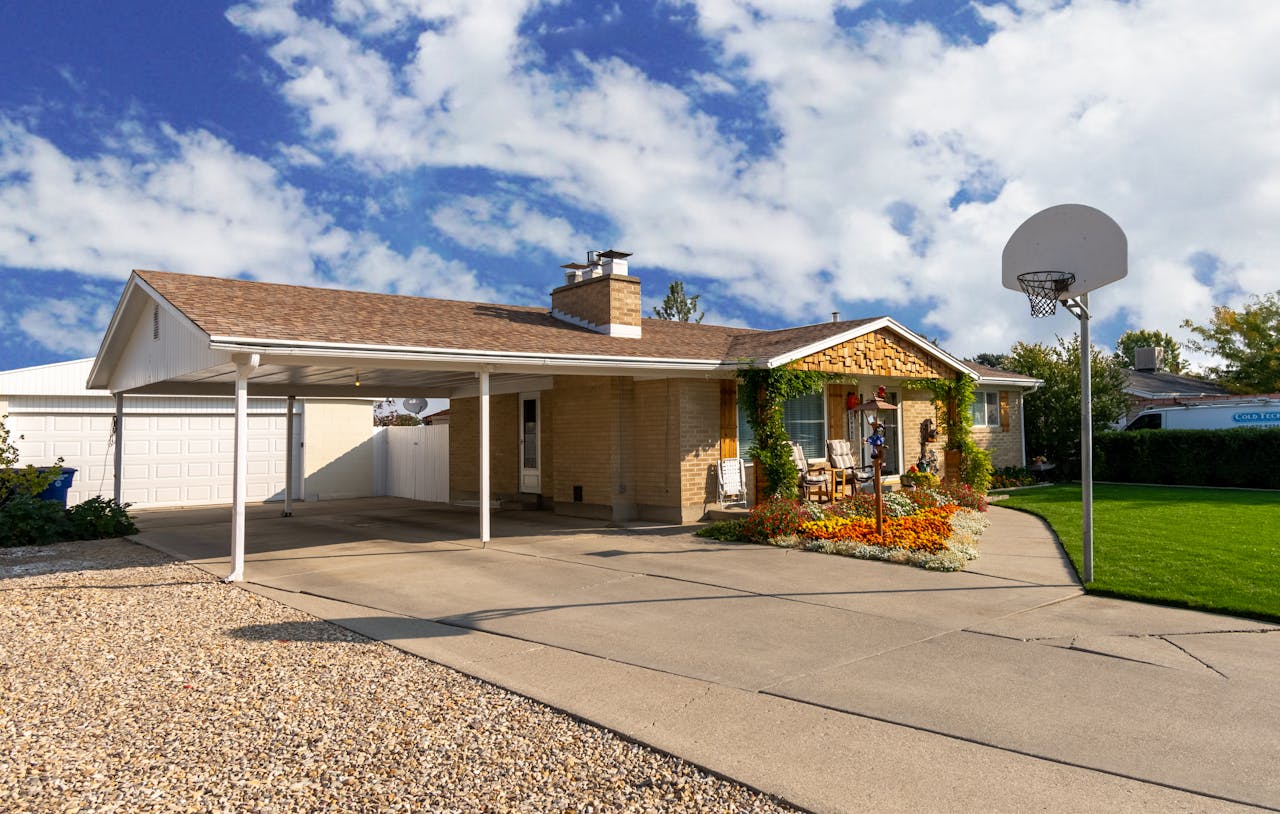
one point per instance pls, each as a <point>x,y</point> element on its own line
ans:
<point>871,327</point>
<point>453,358</point>
<point>997,380</point>
<point>109,350</point>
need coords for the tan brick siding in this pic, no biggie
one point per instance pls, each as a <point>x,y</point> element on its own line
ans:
<point>882,353</point>
<point>464,446</point>
<point>601,300</point>
<point>699,413</point>
<point>916,407</point>
<point>585,425</point>
<point>654,444</point>
<point>1005,447</point>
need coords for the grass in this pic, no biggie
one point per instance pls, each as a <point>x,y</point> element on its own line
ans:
<point>1209,549</point>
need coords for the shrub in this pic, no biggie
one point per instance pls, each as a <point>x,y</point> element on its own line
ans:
<point>1242,457</point>
<point>776,517</point>
<point>1011,477</point>
<point>98,518</point>
<point>726,531</point>
<point>915,478</point>
<point>27,520</point>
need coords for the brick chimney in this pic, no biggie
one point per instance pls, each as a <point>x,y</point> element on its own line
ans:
<point>599,295</point>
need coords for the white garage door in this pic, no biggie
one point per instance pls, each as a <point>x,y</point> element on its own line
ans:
<point>170,459</point>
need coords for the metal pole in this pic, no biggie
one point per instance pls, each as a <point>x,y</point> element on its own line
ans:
<point>118,460</point>
<point>1086,440</point>
<point>288,457</point>
<point>484,457</point>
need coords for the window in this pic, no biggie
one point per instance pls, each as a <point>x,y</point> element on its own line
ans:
<point>986,409</point>
<point>805,421</point>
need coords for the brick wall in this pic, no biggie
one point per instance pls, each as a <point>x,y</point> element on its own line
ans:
<point>1005,447</point>
<point>882,353</point>
<point>611,299</point>
<point>699,450</point>
<point>585,424</point>
<point>464,447</point>
<point>655,444</point>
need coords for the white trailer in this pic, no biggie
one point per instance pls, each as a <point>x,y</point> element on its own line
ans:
<point>1215,414</point>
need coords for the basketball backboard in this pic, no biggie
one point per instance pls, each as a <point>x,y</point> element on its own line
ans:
<point>1070,238</point>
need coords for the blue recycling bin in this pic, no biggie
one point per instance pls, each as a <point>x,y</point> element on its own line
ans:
<point>57,491</point>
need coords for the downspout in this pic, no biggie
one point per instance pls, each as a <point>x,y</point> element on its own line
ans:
<point>245,365</point>
<point>1022,420</point>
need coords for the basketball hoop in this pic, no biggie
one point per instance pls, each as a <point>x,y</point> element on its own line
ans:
<point>1044,289</point>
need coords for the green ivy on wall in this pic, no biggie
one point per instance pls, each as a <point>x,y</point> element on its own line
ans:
<point>955,399</point>
<point>761,393</point>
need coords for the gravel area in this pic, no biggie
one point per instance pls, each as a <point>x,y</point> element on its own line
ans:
<point>132,683</point>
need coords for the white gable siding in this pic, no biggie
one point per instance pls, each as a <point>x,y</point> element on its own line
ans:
<point>180,349</point>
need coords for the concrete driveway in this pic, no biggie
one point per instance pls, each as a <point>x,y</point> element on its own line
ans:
<point>835,684</point>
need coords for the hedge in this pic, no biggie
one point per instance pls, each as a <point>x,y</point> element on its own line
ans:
<point>1243,457</point>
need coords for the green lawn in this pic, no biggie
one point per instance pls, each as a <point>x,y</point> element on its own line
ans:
<point>1210,549</point>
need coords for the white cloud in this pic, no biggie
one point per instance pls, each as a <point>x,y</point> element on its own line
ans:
<point>1161,114</point>
<point>69,326</point>
<point>188,202</point>
<point>507,228</point>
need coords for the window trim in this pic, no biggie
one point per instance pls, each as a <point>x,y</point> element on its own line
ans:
<point>988,399</point>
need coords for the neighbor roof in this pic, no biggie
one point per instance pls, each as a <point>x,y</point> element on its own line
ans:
<point>1162,385</point>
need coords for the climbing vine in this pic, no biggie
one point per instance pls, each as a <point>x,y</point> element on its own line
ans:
<point>954,398</point>
<point>762,392</point>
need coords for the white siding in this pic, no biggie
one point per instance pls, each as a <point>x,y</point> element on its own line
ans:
<point>181,349</point>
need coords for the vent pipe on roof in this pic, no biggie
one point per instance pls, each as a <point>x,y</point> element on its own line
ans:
<point>835,316</point>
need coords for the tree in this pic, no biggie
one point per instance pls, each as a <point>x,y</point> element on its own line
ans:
<point>677,306</point>
<point>385,414</point>
<point>1130,341</point>
<point>997,360</point>
<point>1052,412</point>
<point>1247,340</point>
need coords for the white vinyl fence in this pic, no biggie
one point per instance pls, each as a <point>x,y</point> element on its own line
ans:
<point>415,462</point>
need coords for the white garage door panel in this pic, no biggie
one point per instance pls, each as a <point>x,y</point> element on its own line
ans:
<point>169,460</point>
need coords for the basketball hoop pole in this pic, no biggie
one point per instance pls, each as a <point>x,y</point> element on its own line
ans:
<point>1080,308</point>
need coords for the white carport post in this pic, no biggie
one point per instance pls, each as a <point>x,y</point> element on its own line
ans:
<point>118,463</point>
<point>484,457</point>
<point>288,459</point>
<point>245,365</point>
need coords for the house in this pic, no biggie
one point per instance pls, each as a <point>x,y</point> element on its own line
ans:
<point>586,406</point>
<point>179,451</point>
<point>1148,384</point>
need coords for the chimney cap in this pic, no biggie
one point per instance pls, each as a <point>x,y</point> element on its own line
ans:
<point>575,266</point>
<point>614,254</point>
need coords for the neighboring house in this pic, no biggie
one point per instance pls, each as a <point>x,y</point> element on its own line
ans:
<point>438,417</point>
<point>178,450</point>
<point>1149,385</point>
<point>592,409</point>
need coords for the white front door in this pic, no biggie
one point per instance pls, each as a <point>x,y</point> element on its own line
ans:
<point>530,444</point>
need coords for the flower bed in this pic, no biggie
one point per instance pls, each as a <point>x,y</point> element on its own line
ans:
<point>931,528</point>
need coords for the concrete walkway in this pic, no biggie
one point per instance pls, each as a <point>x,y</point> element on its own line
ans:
<point>835,684</point>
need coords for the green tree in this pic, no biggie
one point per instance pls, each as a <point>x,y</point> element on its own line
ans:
<point>1248,342</point>
<point>1052,412</point>
<point>1130,341</point>
<point>997,360</point>
<point>679,307</point>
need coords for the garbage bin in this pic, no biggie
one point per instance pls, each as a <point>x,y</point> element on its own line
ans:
<point>57,491</point>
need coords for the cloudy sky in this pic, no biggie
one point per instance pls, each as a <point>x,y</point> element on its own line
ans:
<point>785,158</point>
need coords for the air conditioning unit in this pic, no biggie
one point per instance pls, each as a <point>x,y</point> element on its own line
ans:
<point>1148,360</point>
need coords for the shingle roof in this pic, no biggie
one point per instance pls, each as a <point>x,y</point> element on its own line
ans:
<point>989,372</point>
<point>253,310</point>
<point>1159,384</point>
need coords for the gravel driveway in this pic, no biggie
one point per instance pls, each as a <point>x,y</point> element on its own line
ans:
<point>129,682</point>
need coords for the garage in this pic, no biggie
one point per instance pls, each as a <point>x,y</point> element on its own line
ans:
<point>179,451</point>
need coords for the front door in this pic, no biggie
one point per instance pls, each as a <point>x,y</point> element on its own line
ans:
<point>530,444</point>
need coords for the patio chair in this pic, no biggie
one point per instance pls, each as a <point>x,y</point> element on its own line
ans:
<point>812,480</point>
<point>732,478</point>
<point>844,466</point>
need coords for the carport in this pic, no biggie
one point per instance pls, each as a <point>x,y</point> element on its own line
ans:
<point>181,335</point>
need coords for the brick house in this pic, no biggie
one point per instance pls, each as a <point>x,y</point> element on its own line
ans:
<point>593,409</point>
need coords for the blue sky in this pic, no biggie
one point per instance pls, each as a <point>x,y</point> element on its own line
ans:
<point>785,158</point>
